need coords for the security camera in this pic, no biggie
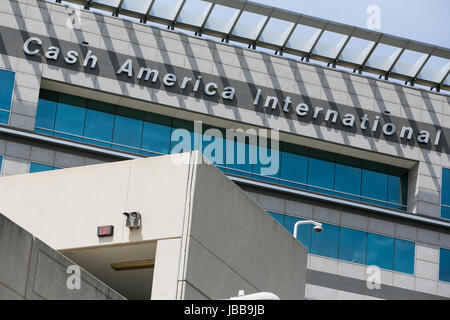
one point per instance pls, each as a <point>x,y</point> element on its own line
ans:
<point>133,220</point>
<point>317,226</point>
<point>318,229</point>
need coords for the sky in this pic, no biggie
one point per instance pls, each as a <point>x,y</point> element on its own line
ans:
<point>421,20</point>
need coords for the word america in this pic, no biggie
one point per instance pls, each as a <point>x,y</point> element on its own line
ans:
<point>228,93</point>
<point>90,60</point>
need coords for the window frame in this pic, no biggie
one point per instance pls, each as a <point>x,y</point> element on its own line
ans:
<point>442,193</point>
<point>287,150</point>
<point>62,98</point>
<point>414,257</point>
<point>44,164</point>
<point>439,264</point>
<point>364,264</point>
<point>12,98</point>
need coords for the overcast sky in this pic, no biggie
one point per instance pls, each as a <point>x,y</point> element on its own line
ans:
<point>422,20</point>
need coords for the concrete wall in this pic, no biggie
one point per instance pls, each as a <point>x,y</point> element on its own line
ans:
<point>77,200</point>
<point>212,239</point>
<point>234,244</point>
<point>29,269</point>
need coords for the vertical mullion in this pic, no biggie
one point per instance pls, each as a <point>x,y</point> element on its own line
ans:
<point>334,176</point>
<point>393,258</point>
<point>361,180</point>
<point>171,130</point>
<point>84,121</point>
<point>142,132</point>
<point>56,112</point>
<point>339,244</point>
<point>114,126</point>
<point>367,245</point>
<point>310,238</point>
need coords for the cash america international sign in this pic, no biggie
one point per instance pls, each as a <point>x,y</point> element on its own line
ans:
<point>235,93</point>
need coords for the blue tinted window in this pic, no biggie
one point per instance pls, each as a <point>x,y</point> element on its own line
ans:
<point>348,177</point>
<point>46,111</point>
<point>352,245</point>
<point>404,256</point>
<point>397,187</point>
<point>6,89</point>
<point>4,117</point>
<point>294,165</point>
<point>374,182</point>
<point>38,167</point>
<point>445,212</point>
<point>446,186</point>
<point>444,265</point>
<point>380,251</point>
<point>445,197</point>
<point>156,134</point>
<point>278,217</point>
<point>321,171</point>
<point>303,232</point>
<point>326,243</point>
<point>99,123</point>
<point>70,116</point>
<point>394,191</point>
<point>128,127</point>
<point>1,162</point>
<point>150,134</point>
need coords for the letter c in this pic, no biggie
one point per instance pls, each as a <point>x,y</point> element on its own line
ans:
<point>26,46</point>
<point>208,90</point>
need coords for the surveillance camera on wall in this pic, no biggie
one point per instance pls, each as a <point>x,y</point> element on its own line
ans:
<point>134,220</point>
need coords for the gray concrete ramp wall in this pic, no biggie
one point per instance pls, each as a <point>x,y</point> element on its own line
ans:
<point>235,245</point>
<point>29,269</point>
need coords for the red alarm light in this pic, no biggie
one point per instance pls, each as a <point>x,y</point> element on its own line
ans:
<point>105,231</point>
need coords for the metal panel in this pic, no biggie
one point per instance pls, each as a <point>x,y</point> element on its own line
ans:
<point>138,6</point>
<point>160,12</point>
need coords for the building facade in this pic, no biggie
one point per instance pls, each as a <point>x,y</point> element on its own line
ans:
<point>368,158</point>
